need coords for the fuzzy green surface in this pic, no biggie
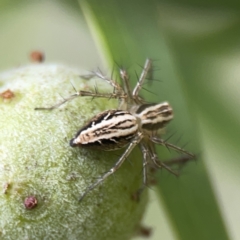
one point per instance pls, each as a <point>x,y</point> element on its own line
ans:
<point>36,160</point>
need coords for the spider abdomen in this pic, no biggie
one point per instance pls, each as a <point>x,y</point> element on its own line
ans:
<point>109,130</point>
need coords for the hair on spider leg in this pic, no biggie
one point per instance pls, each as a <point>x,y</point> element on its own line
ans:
<point>149,91</point>
<point>167,147</point>
<point>136,75</point>
<point>141,66</point>
<point>87,76</point>
<point>73,87</point>
<point>114,75</point>
<point>155,69</point>
<point>122,67</point>
<point>167,139</point>
<point>125,82</point>
<point>185,144</point>
<point>170,136</point>
<point>112,71</point>
<point>60,103</point>
<point>178,139</point>
<point>117,68</point>
<point>176,142</point>
<point>151,80</point>
<point>152,68</point>
<point>96,88</point>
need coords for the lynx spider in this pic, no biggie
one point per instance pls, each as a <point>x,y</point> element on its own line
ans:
<point>135,122</point>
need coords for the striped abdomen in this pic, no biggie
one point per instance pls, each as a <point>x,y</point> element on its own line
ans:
<point>109,130</point>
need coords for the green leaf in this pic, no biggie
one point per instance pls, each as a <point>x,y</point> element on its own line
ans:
<point>183,40</point>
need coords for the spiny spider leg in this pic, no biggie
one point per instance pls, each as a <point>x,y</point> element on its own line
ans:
<point>147,67</point>
<point>169,145</point>
<point>83,94</point>
<point>116,166</point>
<point>114,84</point>
<point>77,94</point>
<point>181,160</point>
<point>161,164</point>
<point>118,90</point>
<point>120,94</point>
<point>144,174</point>
<point>125,79</point>
<point>101,95</point>
<point>157,161</point>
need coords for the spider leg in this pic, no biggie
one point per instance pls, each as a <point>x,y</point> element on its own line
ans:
<point>110,81</point>
<point>169,145</point>
<point>118,91</point>
<point>119,94</point>
<point>156,160</point>
<point>115,167</point>
<point>161,164</point>
<point>146,69</point>
<point>180,161</point>
<point>101,95</point>
<point>144,173</point>
<point>77,94</point>
<point>125,81</point>
<point>98,73</point>
<point>83,94</point>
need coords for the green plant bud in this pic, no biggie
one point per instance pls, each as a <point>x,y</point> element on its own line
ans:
<point>42,177</point>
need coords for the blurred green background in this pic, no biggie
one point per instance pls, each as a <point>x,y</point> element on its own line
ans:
<point>196,45</point>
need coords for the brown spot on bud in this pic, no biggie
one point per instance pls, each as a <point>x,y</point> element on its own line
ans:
<point>135,197</point>
<point>152,182</point>
<point>142,231</point>
<point>37,56</point>
<point>145,231</point>
<point>8,94</point>
<point>30,202</point>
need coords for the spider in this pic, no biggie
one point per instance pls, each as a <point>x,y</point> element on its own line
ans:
<point>133,123</point>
